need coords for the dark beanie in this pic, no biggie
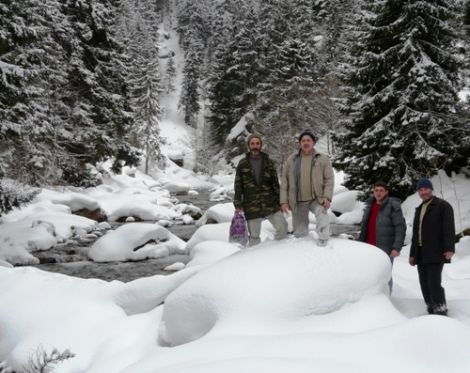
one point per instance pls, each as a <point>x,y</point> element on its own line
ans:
<point>424,183</point>
<point>253,136</point>
<point>308,132</point>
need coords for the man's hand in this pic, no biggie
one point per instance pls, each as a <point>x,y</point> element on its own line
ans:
<point>394,253</point>
<point>412,261</point>
<point>285,207</point>
<point>448,255</point>
<point>325,202</point>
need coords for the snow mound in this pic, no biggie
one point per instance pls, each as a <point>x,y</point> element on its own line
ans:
<point>460,267</point>
<point>318,352</point>
<point>136,241</point>
<point>210,232</point>
<point>288,280</point>
<point>36,208</point>
<point>75,201</point>
<point>38,232</point>
<point>345,201</point>
<point>208,252</point>
<point>141,205</point>
<point>220,213</point>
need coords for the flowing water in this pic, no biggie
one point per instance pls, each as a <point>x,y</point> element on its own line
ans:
<point>71,258</point>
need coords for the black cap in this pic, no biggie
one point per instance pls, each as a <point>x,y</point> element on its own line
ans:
<point>308,132</point>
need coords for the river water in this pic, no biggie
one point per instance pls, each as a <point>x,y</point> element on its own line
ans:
<point>71,258</point>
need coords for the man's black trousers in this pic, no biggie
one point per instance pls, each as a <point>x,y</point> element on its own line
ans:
<point>430,277</point>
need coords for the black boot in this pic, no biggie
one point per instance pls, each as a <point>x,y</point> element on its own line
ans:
<point>440,309</point>
<point>430,309</point>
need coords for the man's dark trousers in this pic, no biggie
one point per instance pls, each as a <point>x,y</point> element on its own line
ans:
<point>430,276</point>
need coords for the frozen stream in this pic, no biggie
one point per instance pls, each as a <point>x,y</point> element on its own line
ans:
<point>72,259</point>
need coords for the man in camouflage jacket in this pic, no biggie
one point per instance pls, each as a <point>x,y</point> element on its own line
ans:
<point>257,191</point>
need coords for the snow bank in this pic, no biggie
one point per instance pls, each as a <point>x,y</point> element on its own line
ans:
<point>460,268</point>
<point>38,232</point>
<point>209,252</point>
<point>35,208</point>
<point>144,294</point>
<point>277,307</point>
<point>345,201</point>
<point>136,241</point>
<point>258,287</point>
<point>210,232</point>
<point>75,201</point>
<point>219,213</point>
<point>39,308</point>
<point>389,349</point>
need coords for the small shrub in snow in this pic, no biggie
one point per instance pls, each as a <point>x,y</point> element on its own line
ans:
<point>13,194</point>
<point>43,362</point>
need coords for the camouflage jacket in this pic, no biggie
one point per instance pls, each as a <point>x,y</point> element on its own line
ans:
<point>257,201</point>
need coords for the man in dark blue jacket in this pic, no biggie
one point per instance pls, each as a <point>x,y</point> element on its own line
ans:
<point>432,245</point>
<point>383,224</point>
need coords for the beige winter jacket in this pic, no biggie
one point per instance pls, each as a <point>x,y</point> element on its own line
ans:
<point>323,178</point>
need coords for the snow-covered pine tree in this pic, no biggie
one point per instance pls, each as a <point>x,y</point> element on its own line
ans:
<point>234,93</point>
<point>336,22</point>
<point>189,99</point>
<point>287,93</point>
<point>33,73</point>
<point>97,91</point>
<point>402,126</point>
<point>145,85</point>
<point>192,29</point>
<point>170,74</point>
<point>466,37</point>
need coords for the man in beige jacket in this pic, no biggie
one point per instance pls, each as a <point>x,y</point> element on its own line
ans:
<point>307,185</point>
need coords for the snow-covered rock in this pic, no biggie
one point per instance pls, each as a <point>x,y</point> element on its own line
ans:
<point>136,241</point>
<point>208,252</point>
<point>210,232</point>
<point>219,213</point>
<point>37,233</point>
<point>325,280</point>
<point>142,206</point>
<point>344,202</point>
<point>177,266</point>
<point>75,201</point>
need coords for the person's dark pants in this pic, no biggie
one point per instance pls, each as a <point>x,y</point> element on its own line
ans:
<point>430,277</point>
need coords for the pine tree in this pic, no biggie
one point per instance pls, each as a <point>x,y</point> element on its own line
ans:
<point>192,29</point>
<point>170,75</point>
<point>97,98</point>
<point>287,93</point>
<point>466,37</point>
<point>145,85</point>
<point>402,123</point>
<point>34,47</point>
<point>234,91</point>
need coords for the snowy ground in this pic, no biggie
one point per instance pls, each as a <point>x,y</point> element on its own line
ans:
<point>281,306</point>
